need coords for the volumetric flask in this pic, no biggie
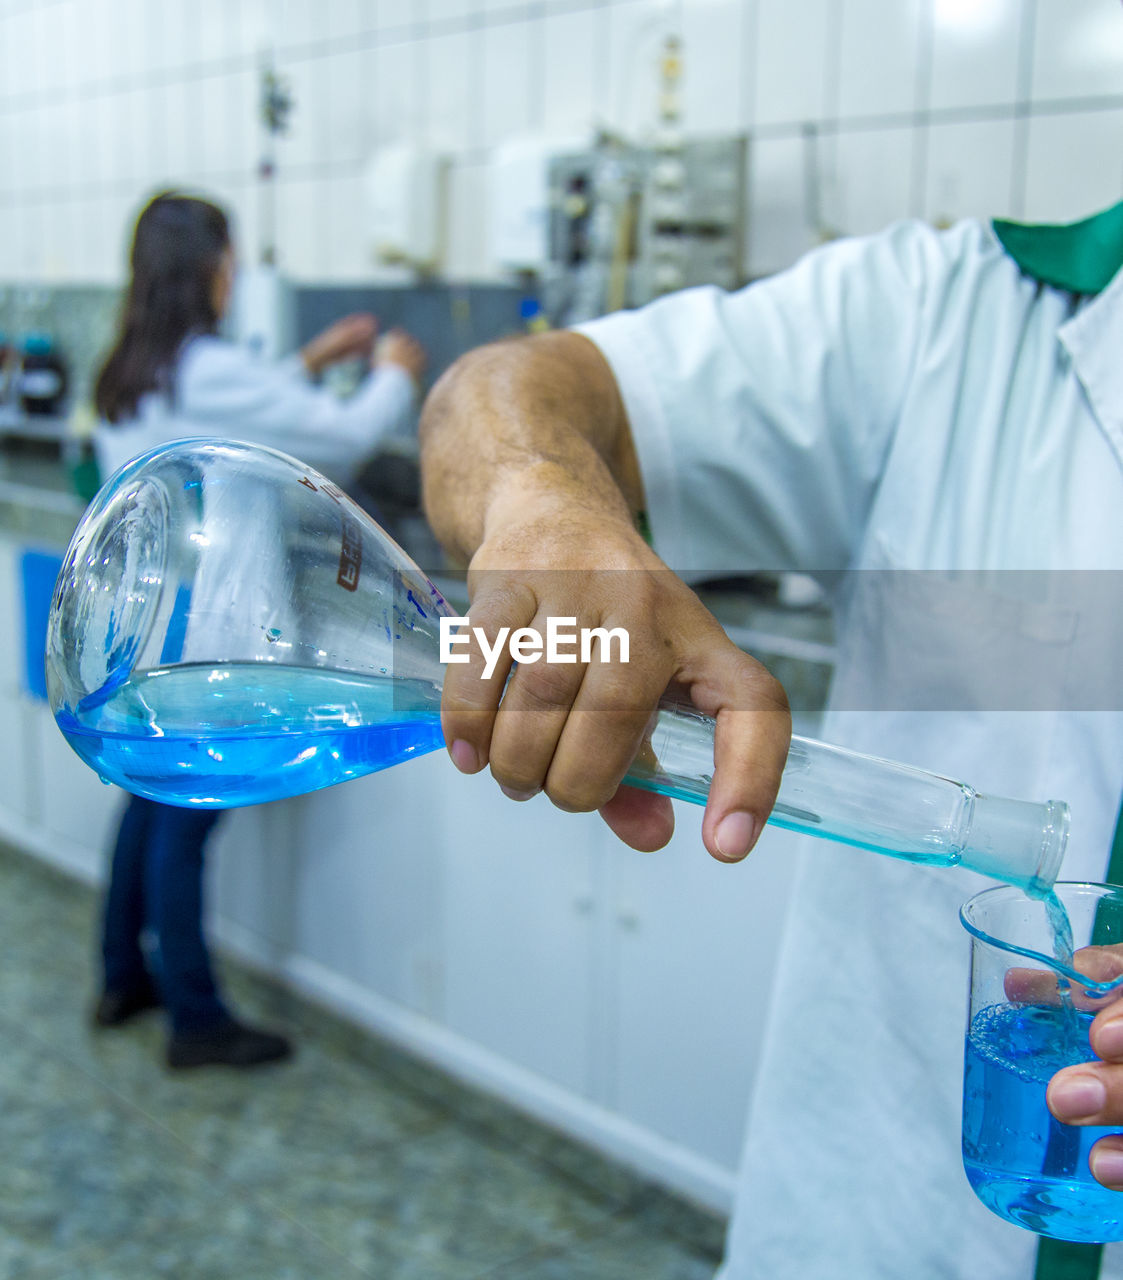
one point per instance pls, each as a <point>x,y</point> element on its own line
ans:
<point>228,627</point>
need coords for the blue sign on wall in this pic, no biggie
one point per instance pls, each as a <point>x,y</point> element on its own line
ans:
<point>38,571</point>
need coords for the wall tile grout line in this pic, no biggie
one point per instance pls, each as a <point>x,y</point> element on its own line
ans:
<point>918,178</point>
<point>479,155</point>
<point>1019,167</point>
<point>1022,108</point>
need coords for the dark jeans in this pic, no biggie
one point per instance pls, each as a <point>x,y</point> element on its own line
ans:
<point>156,883</point>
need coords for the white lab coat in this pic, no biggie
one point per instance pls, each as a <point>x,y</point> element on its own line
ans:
<point>908,401</point>
<point>223,390</point>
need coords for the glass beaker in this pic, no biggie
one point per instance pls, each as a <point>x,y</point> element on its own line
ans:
<point>1028,1016</point>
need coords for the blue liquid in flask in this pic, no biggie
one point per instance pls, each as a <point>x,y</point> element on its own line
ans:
<point>1023,1164</point>
<point>227,734</point>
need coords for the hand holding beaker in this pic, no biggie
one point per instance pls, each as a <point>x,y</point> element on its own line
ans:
<point>1091,1094</point>
<point>1029,1018</point>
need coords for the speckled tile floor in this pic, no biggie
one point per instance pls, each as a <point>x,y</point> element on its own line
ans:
<point>352,1160</point>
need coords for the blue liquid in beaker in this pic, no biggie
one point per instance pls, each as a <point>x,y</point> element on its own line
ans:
<point>227,734</point>
<point>1022,1163</point>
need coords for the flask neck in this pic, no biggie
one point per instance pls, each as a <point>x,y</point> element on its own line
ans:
<point>1016,841</point>
<point>870,803</point>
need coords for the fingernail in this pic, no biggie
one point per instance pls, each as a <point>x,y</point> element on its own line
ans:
<point>1077,1097</point>
<point>1109,1039</point>
<point>518,795</point>
<point>735,834</point>
<point>464,756</point>
<point>1107,1166</point>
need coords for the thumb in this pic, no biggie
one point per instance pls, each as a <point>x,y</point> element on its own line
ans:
<point>751,739</point>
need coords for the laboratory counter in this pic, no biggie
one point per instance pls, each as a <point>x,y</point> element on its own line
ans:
<point>618,996</point>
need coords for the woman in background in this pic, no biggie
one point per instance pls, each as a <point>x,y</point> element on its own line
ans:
<point>171,375</point>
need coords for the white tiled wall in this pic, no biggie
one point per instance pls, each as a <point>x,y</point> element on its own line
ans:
<point>879,57</point>
<point>859,111</point>
<point>975,53</point>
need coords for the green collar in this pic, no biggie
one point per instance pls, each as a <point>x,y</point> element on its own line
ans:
<point>1079,257</point>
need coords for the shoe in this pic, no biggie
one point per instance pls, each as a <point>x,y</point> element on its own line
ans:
<point>230,1044</point>
<point>116,1007</point>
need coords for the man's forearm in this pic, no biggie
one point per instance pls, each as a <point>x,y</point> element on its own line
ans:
<point>531,420</point>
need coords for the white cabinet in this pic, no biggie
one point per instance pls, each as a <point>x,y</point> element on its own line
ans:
<point>48,797</point>
<point>11,615</point>
<point>369,881</point>
<point>639,981</point>
<point>636,982</point>
<point>15,798</point>
<point>345,882</point>
<point>520,915</point>
<point>78,812</point>
<point>252,884</point>
<point>17,801</point>
<point>695,951</point>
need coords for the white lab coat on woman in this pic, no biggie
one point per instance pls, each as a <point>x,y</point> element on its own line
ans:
<point>222,390</point>
<point>906,402</point>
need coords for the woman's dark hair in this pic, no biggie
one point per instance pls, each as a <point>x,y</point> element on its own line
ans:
<point>177,249</point>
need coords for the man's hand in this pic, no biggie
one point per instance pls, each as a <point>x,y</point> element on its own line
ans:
<point>530,471</point>
<point>1092,1093</point>
<point>572,730</point>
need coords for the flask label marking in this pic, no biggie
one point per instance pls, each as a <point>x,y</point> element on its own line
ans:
<point>350,553</point>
